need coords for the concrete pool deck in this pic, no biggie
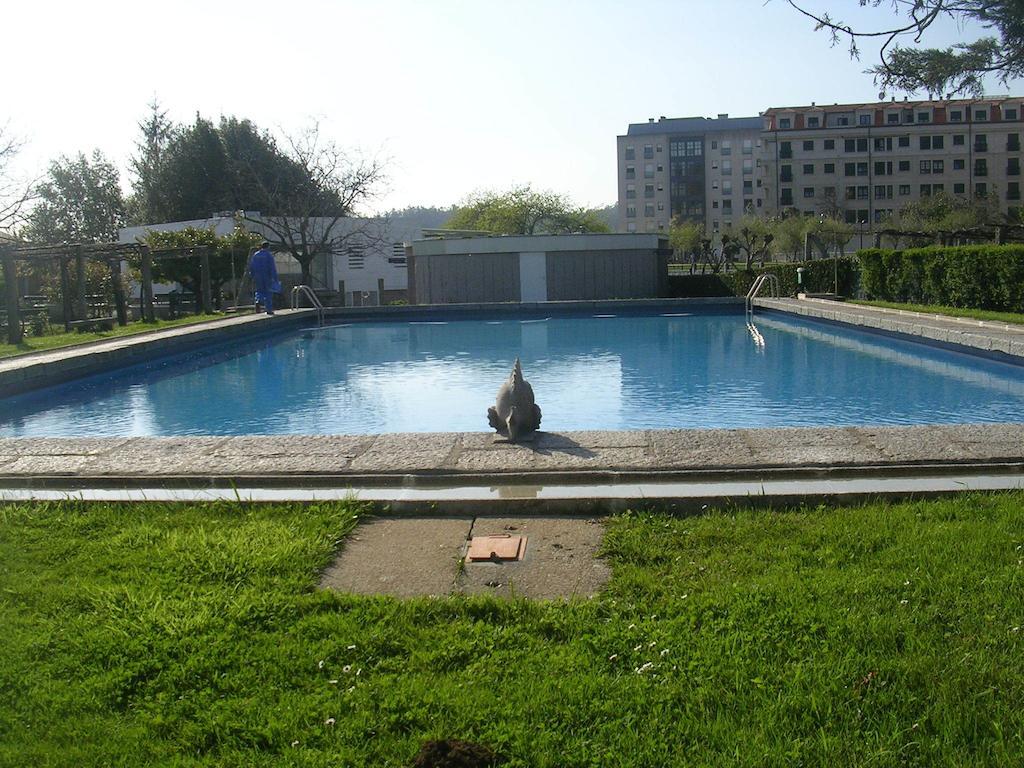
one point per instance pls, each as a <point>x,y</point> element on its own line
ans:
<point>460,471</point>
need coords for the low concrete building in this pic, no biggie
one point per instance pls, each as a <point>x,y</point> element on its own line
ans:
<point>535,268</point>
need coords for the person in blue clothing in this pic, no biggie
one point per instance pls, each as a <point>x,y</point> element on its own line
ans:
<point>264,277</point>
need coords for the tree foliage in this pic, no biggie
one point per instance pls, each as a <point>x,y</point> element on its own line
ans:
<point>524,211</point>
<point>228,255</point>
<point>79,201</point>
<point>942,217</point>
<point>961,68</point>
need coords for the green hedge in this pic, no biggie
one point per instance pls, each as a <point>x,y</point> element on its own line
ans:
<point>971,276</point>
<point>819,277</point>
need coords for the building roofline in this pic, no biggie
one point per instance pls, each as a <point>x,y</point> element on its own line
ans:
<point>897,103</point>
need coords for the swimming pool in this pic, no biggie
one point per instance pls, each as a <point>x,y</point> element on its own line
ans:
<point>668,369</point>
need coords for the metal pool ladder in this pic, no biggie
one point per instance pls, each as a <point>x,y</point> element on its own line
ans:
<point>308,292</point>
<point>773,286</point>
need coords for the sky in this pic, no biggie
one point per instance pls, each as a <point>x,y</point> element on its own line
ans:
<point>455,96</point>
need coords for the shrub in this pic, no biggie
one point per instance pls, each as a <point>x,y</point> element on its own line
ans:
<point>971,276</point>
<point>819,277</point>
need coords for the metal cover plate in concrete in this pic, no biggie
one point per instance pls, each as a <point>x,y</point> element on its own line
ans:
<point>500,547</point>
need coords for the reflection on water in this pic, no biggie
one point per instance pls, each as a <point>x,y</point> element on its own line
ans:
<point>666,371</point>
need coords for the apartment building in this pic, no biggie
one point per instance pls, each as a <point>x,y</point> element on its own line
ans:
<point>693,168</point>
<point>856,161</point>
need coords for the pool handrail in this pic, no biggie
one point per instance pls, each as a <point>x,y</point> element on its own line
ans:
<point>773,286</point>
<point>310,294</point>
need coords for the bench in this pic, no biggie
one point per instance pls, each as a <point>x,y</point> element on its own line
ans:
<point>104,323</point>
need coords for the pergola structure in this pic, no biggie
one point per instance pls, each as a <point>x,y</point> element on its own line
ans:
<point>112,254</point>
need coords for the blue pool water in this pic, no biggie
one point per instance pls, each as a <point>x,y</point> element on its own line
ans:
<point>671,370</point>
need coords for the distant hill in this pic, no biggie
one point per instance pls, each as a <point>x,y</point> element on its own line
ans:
<point>608,214</point>
<point>419,217</point>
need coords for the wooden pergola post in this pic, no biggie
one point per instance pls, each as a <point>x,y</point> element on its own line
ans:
<point>119,302</point>
<point>146,296</point>
<point>204,281</point>
<point>11,290</point>
<point>82,309</point>
<point>65,294</point>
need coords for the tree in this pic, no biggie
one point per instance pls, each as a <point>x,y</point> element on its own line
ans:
<point>313,209</point>
<point>228,256</point>
<point>961,68</point>
<point>79,201</point>
<point>149,201</point>
<point>685,238</point>
<point>523,211</point>
<point>751,236</point>
<point>943,218</point>
<point>15,192</point>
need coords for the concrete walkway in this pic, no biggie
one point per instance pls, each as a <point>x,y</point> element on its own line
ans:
<point>1000,338</point>
<point>425,556</point>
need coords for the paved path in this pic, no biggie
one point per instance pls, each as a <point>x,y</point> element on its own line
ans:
<point>1004,338</point>
<point>424,556</point>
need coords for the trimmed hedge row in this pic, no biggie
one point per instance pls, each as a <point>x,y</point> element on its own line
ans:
<point>970,276</point>
<point>819,277</point>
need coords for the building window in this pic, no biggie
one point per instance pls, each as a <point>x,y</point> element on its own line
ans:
<point>958,165</point>
<point>748,147</point>
<point>904,190</point>
<point>981,189</point>
<point>1013,190</point>
<point>880,168</point>
<point>926,166</point>
<point>726,147</point>
<point>850,145</point>
<point>958,189</point>
<point>630,172</point>
<point>830,167</point>
<point>785,122</point>
<point>808,192</point>
<point>1009,114</point>
<point>904,166</point>
<point>356,256</point>
<point>850,217</point>
<point>981,167</point>
<point>748,187</point>
<point>938,166</point>
<point>727,206</point>
<point>649,170</point>
<point>980,115</point>
<point>904,141</point>
<point>808,168</point>
<point>648,151</point>
<point>714,203</point>
<point>786,173</point>
<point>980,142</point>
<point>714,145</point>
<point>864,119</point>
<point>631,226</point>
<point>786,196</point>
<point>862,193</point>
<point>727,167</point>
<point>926,190</point>
<point>851,193</point>
<point>892,118</point>
<point>727,187</point>
<point>1013,166</point>
<point>938,142</point>
<point>748,165</point>
<point>630,153</point>
<point>809,146</point>
<point>813,122</point>
<point>925,142</point>
<point>661,206</point>
<point>630,211</point>
<point>862,169</point>
<point>659,148</point>
<point>958,139</point>
<point>830,144</point>
<point>648,190</point>
<point>649,210</point>
<point>785,149</point>
<point>1013,142</point>
<point>849,169</point>
<point>956,116</point>
<point>630,191</point>
<point>924,117</point>
<point>883,144</point>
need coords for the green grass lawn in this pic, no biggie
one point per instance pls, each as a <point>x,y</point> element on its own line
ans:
<point>59,338</point>
<point>936,309</point>
<point>884,635</point>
